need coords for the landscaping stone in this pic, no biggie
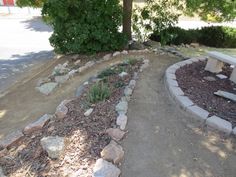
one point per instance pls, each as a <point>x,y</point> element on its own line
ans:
<point>171,70</point>
<point>136,46</point>
<point>72,72</point>
<point>90,64</point>
<point>42,81</point>
<point>47,88</point>
<point>53,145</point>
<point>107,57</point>
<point>62,110</point>
<point>61,79</point>
<point>171,76</point>
<point>113,152</point>
<point>11,139</point>
<point>116,54</point>
<point>124,52</point>
<point>38,125</point>
<point>220,124</point>
<point>115,133</point>
<point>60,69</point>
<point>82,69</point>
<point>135,77</point>
<point>209,78</point>
<point>221,76</point>
<point>79,91</point>
<point>176,91</point>
<point>1,173</point>
<point>103,168</point>
<point>226,95</point>
<point>194,45</point>
<point>88,112</point>
<point>132,84</point>
<point>122,107</point>
<point>172,82</point>
<point>123,74</point>
<point>77,62</point>
<point>122,121</point>
<point>128,91</point>
<point>184,101</point>
<point>199,112</point>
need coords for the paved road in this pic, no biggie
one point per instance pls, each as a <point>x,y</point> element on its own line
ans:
<point>23,43</point>
<point>163,141</point>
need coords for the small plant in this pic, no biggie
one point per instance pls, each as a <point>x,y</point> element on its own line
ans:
<point>98,92</point>
<point>132,61</point>
<point>119,84</point>
<point>106,73</point>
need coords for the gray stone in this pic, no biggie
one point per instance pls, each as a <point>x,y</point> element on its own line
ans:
<point>209,78</point>
<point>122,121</point>
<point>135,77</point>
<point>194,45</point>
<point>53,145</point>
<point>88,112</point>
<point>113,152</point>
<point>123,74</point>
<point>107,57</point>
<point>122,107</point>
<point>172,82</point>
<point>171,70</point>
<point>79,91</point>
<point>128,91</point>
<point>199,113</point>
<point>11,139</point>
<point>184,101</point>
<point>226,95</point>
<point>220,124</point>
<point>221,76</point>
<point>234,131</point>
<point>124,52</point>
<point>103,168</point>
<point>90,64</point>
<point>42,81</point>
<point>132,84</point>
<point>47,88</point>
<point>116,54</point>
<point>72,72</point>
<point>1,173</point>
<point>37,125</point>
<point>60,69</point>
<point>176,91</point>
<point>233,75</point>
<point>214,66</point>
<point>115,133</point>
<point>77,62</point>
<point>82,69</point>
<point>170,76</point>
<point>61,79</point>
<point>136,46</point>
<point>62,110</point>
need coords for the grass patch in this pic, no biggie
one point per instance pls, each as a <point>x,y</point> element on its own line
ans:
<point>98,92</point>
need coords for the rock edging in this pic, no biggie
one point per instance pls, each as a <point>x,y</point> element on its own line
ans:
<point>187,105</point>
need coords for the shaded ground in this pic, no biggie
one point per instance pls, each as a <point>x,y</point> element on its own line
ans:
<point>163,141</point>
<point>201,91</point>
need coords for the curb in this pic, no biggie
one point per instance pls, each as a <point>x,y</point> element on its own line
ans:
<point>187,105</point>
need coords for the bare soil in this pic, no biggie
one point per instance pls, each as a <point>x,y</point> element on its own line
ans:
<point>201,91</point>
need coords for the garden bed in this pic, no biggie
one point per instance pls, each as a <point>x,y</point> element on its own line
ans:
<point>85,136</point>
<point>192,80</point>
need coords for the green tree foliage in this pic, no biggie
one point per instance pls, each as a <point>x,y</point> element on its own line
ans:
<point>30,3</point>
<point>84,26</point>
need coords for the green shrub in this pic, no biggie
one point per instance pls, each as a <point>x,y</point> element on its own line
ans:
<point>106,73</point>
<point>98,92</point>
<point>84,26</point>
<point>213,36</point>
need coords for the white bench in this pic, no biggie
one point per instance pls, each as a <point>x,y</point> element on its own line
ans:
<point>216,61</point>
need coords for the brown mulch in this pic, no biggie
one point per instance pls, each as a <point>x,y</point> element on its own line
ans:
<point>85,138</point>
<point>201,92</point>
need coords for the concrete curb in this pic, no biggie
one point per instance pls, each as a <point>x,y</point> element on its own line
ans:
<point>187,105</point>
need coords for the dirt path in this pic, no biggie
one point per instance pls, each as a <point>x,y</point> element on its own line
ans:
<point>163,141</point>
<point>23,104</point>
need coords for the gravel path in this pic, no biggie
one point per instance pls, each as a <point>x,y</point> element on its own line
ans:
<point>164,141</point>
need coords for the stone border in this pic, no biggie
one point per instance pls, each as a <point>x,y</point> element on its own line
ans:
<point>187,105</point>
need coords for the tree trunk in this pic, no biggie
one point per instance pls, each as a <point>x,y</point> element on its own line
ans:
<point>127,15</point>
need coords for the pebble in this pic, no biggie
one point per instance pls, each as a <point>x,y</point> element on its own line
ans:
<point>88,112</point>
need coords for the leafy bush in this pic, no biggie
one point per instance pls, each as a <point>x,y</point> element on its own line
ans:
<point>86,26</point>
<point>98,92</point>
<point>213,36</point>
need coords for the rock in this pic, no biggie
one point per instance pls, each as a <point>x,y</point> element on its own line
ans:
<point>72,72</point>
<point>77,62</point>
<point>135,77</point>
<point>65,64</point>
<point>136,46</point>
<point>42,81</point>
<point>194,45</point>
<point>226,95</point>
<point>47,88</point>
<point>115,133</point>
<point>61,79</point>
<point>53,145</point>
<point>88,112</point>
<point>1,173</point>
<point>79,91</point>
<point>153,44</point>
<point>123,74</point>
<point>209,78</point>
<point>122,121</point>
<point>60,69</point>
<point>128,91</point>
<point>103,168</point>
<point>116,54</point>
<point>62,110</point>
<point>113,152</point>
<point>107,57</point>
<point>82,69</point>
<point>132,84</point>
<point>38,125</point>
<point>86,83</point>
<point>11,139</point>
<point>122,107</point>
<point>124,52</point>
<point>89,64</point>
<point>221,76</point>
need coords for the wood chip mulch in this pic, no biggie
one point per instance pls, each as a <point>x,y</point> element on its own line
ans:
<point>85,138</point>
<point>201,91</point>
